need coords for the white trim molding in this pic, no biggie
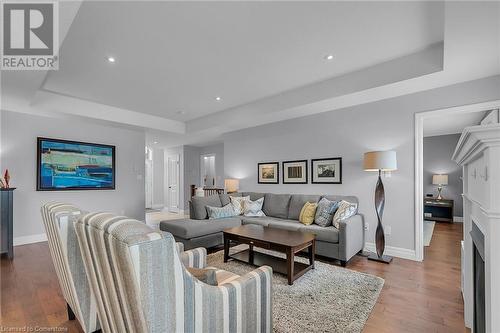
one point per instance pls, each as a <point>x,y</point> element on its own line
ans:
<point>394,251</point>
<point>30,239</point>
<point>419,143</point>
<point>458,219</point>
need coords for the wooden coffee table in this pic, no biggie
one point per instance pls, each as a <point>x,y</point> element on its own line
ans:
<point>286,241</point>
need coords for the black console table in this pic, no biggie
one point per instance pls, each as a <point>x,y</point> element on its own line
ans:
<point>6,218</point>
<point>441,210</point>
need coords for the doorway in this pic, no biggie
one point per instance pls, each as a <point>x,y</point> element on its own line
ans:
<point>207,172</point>
<point>173,179</point>
<point>420,118</point>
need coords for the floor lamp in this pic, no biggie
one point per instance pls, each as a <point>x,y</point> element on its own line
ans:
<point>380,161</point>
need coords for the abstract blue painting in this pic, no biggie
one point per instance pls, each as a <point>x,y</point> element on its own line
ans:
<point>72,165</point>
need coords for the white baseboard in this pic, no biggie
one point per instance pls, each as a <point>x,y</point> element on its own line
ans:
<point>394,251</point>
<point>458,219</point>
<point>30,239</point>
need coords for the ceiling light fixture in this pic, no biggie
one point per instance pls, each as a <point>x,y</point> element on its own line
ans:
<point>218,98</point>
<point>155,142</point>
<point>329,57</point>
<point>111,59</point>
<point>181,112</point>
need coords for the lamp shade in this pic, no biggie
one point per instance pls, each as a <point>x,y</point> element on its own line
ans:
<point>232,185</point>
<point>440,179</point>
<point>380,161</point>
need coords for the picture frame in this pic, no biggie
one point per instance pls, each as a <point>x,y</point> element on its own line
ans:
<point>295,172</point>
<point>326,170</point>
<point>268,173</point>
<point>64,165</point>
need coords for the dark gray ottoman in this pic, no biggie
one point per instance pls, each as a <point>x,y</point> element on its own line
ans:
<point>199,233</point>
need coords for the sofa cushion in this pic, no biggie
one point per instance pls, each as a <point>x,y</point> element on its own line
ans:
<point>349,198</point>
<point>298,201</point>
<point>325,211</point>
<point>276,205</point>
<point>308,213</point>
<point>264,221</point>
<point>221,212</point>
<point>253,195</point>
<point>328,234</point>
<point>224,197</point>
<point>189,228</point>
<point>286,224</point>
<point>199,204</point>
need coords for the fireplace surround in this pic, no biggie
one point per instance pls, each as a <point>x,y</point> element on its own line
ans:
<point>478,152</point>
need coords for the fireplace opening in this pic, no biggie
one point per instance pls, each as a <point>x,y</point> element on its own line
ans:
<point>479,280</point>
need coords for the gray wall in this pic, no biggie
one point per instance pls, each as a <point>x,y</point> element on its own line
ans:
<point>158,178</point>
<point>437,160</point>
<point>19,133</point>
<point>348,133</point>
<point>191,171</point>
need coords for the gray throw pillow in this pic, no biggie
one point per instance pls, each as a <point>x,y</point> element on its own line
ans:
<point>325,211</point>
<point>206,275</point>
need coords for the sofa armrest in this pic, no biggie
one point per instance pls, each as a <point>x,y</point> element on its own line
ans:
<point>252,293</point>
<point>195,258</point>
<point>351,236</point>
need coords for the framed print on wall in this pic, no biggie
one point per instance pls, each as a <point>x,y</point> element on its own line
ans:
<point>326,171</point>
<point>295,172</point>
<point>71,165</point>
<point>268,173</point>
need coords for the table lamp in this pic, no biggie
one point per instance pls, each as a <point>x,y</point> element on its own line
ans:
<point>232,185</point>
<point>380,161</point>
<point>440,181</point>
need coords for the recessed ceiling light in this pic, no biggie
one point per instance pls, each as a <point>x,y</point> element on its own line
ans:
<point>329,57</point>
<point>181,112</point>
<point>111,59</point>
<point>218,98</point>
<point>155,142</point>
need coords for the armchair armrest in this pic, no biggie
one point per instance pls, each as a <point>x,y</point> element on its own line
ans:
<point>180,247</point>
<point>251,295</point>
<point>351,236</point>
<point>196,258</point>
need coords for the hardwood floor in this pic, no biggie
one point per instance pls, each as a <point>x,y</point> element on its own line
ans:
<point>417,297</point>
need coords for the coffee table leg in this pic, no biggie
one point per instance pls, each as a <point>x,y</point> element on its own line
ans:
<point>290,258</point>
<point>226,249</point>
<point>312,251</point>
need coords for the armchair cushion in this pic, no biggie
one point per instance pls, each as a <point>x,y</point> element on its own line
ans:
<point>206,275</point>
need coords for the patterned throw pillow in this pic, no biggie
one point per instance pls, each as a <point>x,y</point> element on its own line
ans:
<point>307,213</point>
<point>324,213</point>
<point>220,212</point>
<point>239,203</point>
<point>345,211</point>
<point>254,208</point>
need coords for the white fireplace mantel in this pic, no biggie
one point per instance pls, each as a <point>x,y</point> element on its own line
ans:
<point>478,152</point>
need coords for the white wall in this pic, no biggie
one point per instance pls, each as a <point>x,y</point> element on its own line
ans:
<point>18,137</point>
<point>218,150</point>
<point>348,133</point>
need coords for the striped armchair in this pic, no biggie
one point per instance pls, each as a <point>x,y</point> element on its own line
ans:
<point>141,284</point>
<point>65,252</point>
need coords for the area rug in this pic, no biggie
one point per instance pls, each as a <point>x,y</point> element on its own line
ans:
<point>428,231</point>
<point>326,299</point>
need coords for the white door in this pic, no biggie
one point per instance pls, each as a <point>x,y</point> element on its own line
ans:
<point>207,172</point>
<point>173,183</point>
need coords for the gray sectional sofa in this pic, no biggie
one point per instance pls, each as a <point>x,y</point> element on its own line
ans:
<point>282,212</point>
